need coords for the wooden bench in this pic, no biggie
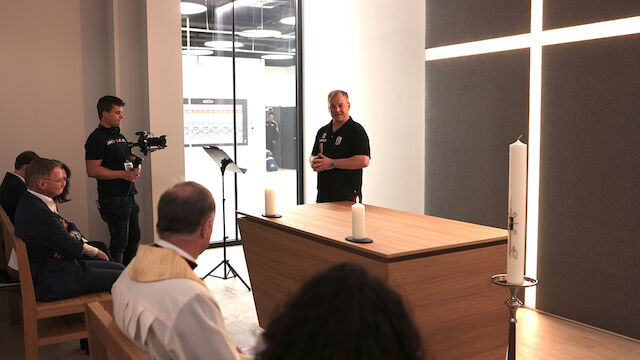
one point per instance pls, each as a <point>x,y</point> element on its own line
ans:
<point>47,323</point>
<point>106,341</point>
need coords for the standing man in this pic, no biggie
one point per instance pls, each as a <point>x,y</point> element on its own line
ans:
<point>159,302</point>
<point>55,253</point>
<point>340,152</point>
<point>272,134</point>
<point>109,160</point>
<point>13,185</point>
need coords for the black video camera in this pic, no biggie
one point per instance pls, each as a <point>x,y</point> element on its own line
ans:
<point>147,143</point>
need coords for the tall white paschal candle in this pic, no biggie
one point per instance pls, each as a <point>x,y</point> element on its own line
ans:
<point>269,201</point>
<point>357,221</point>
<point>517,210</point>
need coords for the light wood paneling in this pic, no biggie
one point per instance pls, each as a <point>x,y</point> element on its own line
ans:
<point>541,336</point>
<point>279,262</point>
<point>442,268</point>
<point>461,314</point>
<point>395,233</point>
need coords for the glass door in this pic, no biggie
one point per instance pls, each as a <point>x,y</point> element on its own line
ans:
<point>240,73</point>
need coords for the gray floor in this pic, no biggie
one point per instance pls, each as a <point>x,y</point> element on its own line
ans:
<point>234,299</point>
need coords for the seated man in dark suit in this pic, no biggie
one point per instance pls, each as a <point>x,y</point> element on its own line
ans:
<point>55,254</point>
<point>13,185</point>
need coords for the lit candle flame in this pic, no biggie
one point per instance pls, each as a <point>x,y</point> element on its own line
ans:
<point>357,199</point>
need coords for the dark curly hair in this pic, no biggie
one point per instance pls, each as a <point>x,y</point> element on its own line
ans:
<point>344,313</point>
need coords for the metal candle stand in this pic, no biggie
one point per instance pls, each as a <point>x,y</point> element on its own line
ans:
<point>513,303</point>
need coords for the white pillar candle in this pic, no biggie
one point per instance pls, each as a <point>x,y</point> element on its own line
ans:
<point>269,201</point>
<point>357,221</point>
<point>517,210</point>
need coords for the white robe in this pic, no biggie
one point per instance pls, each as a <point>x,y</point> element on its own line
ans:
<point>172,315</point>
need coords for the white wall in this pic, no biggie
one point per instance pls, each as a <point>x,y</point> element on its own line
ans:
<point>374,50</point>
<point>164,87</point>
<point>58,58</point>
<point>53,71</point>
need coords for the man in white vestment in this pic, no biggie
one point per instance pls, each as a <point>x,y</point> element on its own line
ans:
<point>159,301</point>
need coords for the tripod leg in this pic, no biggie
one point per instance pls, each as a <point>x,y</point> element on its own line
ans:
<point>214,269</point>
<point>238,276</point>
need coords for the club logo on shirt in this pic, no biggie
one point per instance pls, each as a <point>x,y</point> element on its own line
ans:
<point>338,140</point>
<point>112,141</point>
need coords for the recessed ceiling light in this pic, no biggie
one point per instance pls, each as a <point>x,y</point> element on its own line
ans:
<point>197,52</point>
<point>189,8</point>
<point>260,33</point>
<point>277,57</point>
<point>291,20</point>
<point>223,44</point>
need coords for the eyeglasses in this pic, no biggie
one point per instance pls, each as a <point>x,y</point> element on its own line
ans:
<point>59,181</point>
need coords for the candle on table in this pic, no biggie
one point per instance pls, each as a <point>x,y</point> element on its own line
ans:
<point>357,220</point>
<point>517,211</point>
<point>269,201</point>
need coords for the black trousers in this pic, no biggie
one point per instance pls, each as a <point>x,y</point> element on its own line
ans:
<point>121,216</point>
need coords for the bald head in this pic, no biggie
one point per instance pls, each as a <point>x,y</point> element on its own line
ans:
<point>184,208</point>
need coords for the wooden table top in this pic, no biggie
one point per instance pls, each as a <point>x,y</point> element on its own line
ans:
<point>396,234</point>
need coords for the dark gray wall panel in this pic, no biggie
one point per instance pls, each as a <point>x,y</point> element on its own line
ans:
<point>561,13</point>
<point>456,21</point>
<point>589,239</point>
<point>475,107</point>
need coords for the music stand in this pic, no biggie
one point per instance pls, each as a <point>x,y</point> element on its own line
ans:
<point>224,161</point>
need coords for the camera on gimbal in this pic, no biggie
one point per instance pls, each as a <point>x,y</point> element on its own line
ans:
<point>148,143</point>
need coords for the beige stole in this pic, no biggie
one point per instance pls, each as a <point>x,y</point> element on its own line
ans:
<point>155,264</point>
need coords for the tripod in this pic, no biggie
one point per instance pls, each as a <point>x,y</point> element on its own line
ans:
<point>224,160</point>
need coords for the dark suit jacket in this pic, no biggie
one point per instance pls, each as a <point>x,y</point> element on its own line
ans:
<point>44,235</point>
<point>11,190</point>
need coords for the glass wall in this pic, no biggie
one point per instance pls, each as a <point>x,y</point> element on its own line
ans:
<point>241,53</point>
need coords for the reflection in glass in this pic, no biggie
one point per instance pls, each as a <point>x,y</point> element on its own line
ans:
<point>251,66</point>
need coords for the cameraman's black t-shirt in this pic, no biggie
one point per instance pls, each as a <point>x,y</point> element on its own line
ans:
<point>341,184</point>
<point>108,145</point>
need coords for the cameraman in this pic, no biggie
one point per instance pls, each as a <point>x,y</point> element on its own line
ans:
<point>109,160</point>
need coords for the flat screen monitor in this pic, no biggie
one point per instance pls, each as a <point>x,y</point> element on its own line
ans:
<point>210,122</point>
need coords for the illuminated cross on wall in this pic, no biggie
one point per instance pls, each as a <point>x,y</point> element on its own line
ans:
<point>534,41</point>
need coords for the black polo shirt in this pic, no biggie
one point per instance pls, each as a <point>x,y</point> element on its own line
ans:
<point>108,145</point>
<point>341,184</point>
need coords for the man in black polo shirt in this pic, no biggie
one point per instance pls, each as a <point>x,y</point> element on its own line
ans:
<point>109,160</point>
<point>340,152</point>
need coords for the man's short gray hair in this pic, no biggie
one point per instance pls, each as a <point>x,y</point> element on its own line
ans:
<point>337,92</point>
<point>183,208</point>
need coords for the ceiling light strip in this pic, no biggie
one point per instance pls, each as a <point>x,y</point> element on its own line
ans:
<point>241,50</point>
<point>207,31</point>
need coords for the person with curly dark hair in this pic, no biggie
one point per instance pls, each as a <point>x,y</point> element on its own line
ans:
<point>344,313</point>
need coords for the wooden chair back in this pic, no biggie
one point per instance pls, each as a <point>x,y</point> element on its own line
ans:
<point>47,323</point>
<point>106,341</point>
<point>7,231</point>
<point>6,234</point>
